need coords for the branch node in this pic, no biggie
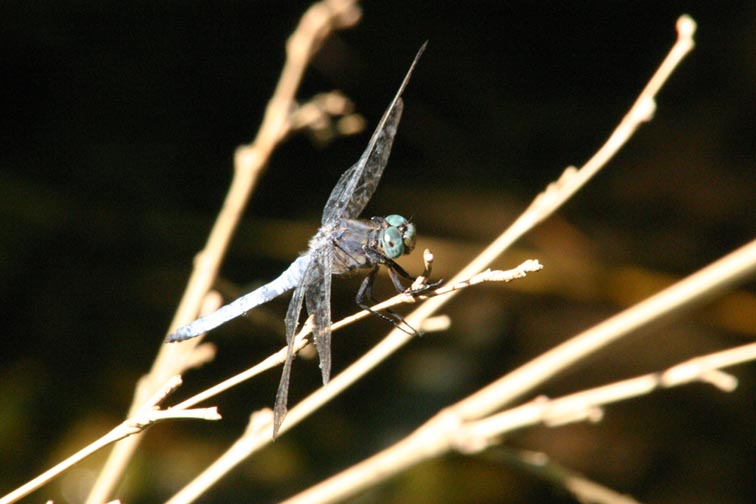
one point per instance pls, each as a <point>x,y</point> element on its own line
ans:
<point>720,379</point>
<point>645,110</point>
<point>554,416</point>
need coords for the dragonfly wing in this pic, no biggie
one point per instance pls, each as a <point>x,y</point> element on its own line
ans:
<point>292,321</point>
<point>318,299</point>
<point>357,185</point>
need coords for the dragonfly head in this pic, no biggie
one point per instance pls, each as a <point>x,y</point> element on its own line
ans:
<point>398,237</point>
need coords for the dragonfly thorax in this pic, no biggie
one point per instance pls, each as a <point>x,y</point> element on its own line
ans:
<point>398,237</point>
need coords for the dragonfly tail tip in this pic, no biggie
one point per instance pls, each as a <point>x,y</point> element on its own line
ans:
<point>179,335</point>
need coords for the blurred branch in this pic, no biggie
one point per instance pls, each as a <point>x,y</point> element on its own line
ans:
<point>143,418</point>
<point>317,23</point>
<point>587,405</point>
<point>258,432</point>
<point>426,442</point>
<point>302,339</point>
<point>317,117</point>
<point>466,426</point>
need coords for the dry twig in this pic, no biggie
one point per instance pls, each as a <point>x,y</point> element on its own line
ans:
<point>418,446</point>
<point>320,20</point>
<point>143,418</point>
<point>435,436</point>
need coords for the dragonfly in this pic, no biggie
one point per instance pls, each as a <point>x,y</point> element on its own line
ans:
<point>343,244</point>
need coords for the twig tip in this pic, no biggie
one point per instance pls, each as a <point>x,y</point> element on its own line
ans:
<point>686,27</point>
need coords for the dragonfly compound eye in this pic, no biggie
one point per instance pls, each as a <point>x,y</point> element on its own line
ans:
<point>393,246</point>
<point>402,238</point>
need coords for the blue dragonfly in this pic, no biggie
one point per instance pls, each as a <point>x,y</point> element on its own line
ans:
<point>343,244</point>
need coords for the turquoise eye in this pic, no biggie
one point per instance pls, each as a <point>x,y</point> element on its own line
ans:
<point>393,246</point>
<point>396,220</point>
<point>399,238</point>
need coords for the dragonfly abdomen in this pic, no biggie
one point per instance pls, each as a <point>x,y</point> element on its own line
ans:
<point>288,280</point>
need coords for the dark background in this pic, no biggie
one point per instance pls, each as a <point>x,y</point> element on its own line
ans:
<point>118,127</point>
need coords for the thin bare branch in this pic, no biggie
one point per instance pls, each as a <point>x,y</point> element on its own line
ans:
<point>258,435</point>
<point>143,418</point>
<point>318,22</point>
<point>418,446</point>
<point>544,205</point>
<point>455,429</point>
<point>587,405</point>
<point>702,285</point>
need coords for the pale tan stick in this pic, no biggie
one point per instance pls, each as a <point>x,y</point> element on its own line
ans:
<point>257,433</point>
<point>301,340</point>
<point>146,416</point>
<point>441,433</point>
<point>543,206</point>
<point>587,405</point>
<point>696,288</point>
<point>315,26</point>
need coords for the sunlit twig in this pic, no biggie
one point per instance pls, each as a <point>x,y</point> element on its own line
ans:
<point>318,22</point>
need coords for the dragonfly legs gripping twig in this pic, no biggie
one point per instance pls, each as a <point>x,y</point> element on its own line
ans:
<point>366,291</point>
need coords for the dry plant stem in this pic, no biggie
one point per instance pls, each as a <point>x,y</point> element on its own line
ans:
<point>591,492</point>
<point>315,26</point>
<point>414,448</point>
<point>529,266</point>
<point>702,285</point>
<point>418,446</point>
<point>543,206</point>
<point>302,341</point>
<point>642,111</point>
<point>586,405</point>
<point>257,434</point>
<point>446,430</point>
<point>143,418</point>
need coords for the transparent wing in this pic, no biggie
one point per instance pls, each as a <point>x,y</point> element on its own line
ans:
<point>357,185</point>
<point>318,299</point>
<point>292,321</point>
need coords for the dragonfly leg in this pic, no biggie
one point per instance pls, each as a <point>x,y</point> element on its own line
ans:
<point>393,318</point>
<point>366,288</point>
<point>394,266</point>
<point>376,257</point>
<point>424,288</point>
<point>394,269</point>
